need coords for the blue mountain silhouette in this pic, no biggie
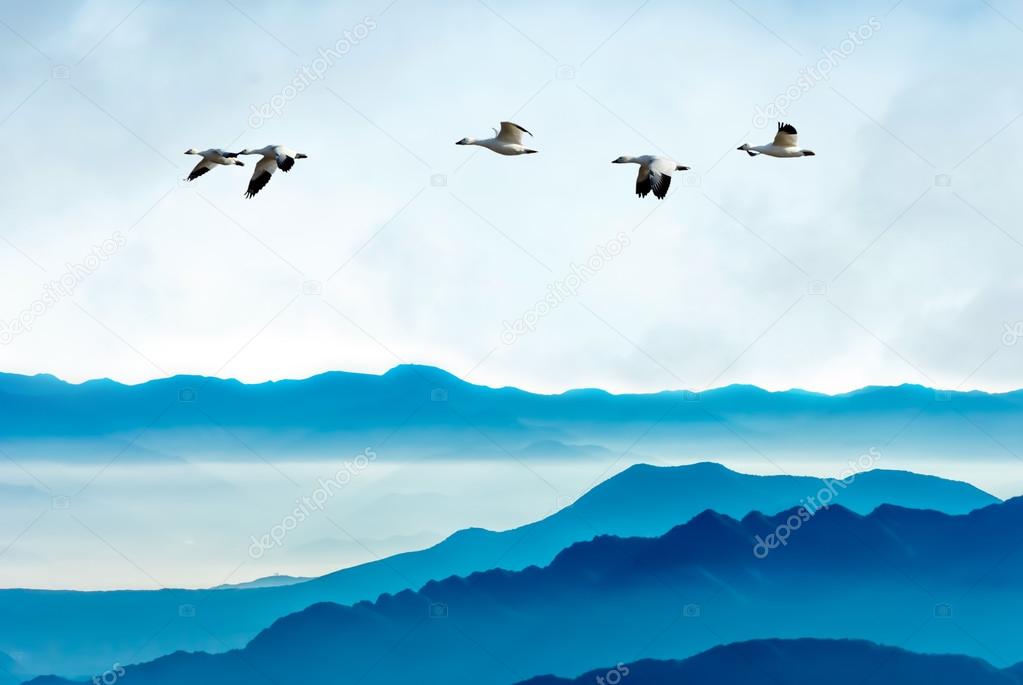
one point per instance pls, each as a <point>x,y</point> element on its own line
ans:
<point>462,419</point>
<point>57,631</point>
<point>836,662</point>
<point>897,576</point>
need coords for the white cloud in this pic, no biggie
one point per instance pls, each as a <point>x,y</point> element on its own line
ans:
<point>709,273</point>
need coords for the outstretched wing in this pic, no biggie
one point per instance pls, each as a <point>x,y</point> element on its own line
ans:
<point>660,183</point>
<point>786,136</point>
<point>285,162</point>
<point>201,168</point>
<point>261,175</point>
<point>658,172</point>
<point>511,133</point>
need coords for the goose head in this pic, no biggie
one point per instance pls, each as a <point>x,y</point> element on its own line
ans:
<point>466,141</point>
<point>191,151</point>
<point>622,160</point>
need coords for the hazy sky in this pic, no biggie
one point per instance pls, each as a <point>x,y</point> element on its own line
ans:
<point>891,256</point>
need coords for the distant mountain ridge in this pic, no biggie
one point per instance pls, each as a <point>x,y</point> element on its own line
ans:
<point>278,580</point>
<point>57,630</point>
<point>846,662</point>
<point>673,596</point>
<point>419,396</point>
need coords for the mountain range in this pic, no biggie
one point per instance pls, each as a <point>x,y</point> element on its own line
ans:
<point>58,631</point>
<point>426,410</point>
<point>836,662</point>
<point>910,578</point>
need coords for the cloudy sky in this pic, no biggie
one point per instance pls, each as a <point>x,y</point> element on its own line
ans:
<point>892,256</point>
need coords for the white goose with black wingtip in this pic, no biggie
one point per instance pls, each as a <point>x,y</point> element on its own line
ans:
<point>273,157</point>
<point>507,141</point>
<point>654,173</point>
<point>785,144</point>
<point>210,159</point>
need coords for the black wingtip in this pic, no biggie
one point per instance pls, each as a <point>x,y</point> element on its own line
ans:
<point>518,127</point>
<point>196,173</point>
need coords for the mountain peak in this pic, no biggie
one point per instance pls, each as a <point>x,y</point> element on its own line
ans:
<point>424,373</point>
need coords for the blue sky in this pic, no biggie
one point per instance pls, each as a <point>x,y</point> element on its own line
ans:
<point>893,256</point>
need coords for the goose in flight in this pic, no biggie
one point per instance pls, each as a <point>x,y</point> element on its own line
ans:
<point>508,140</point>
<point>654,173</point>
<point>784,145</point>
<point>273,157</point>
<point>211,158</point>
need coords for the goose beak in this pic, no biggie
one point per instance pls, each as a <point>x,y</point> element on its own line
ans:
<point>460,142</point>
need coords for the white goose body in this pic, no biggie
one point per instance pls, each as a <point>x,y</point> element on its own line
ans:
<point>508,141</point>
<point>785,144</point>
<point>654,173</point>
<point>210,159</point>
<point>273,157</point>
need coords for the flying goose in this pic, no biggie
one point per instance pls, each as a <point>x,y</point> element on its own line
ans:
<point>508,141</point>
<point>654,173</point>
<point>273,157</point>
<point>784,145</point>
<point>211,158</point>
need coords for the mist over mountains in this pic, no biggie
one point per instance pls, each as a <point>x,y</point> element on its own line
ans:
<point>649,542</point>
<point>57,630</point>
<point>901,577</point>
